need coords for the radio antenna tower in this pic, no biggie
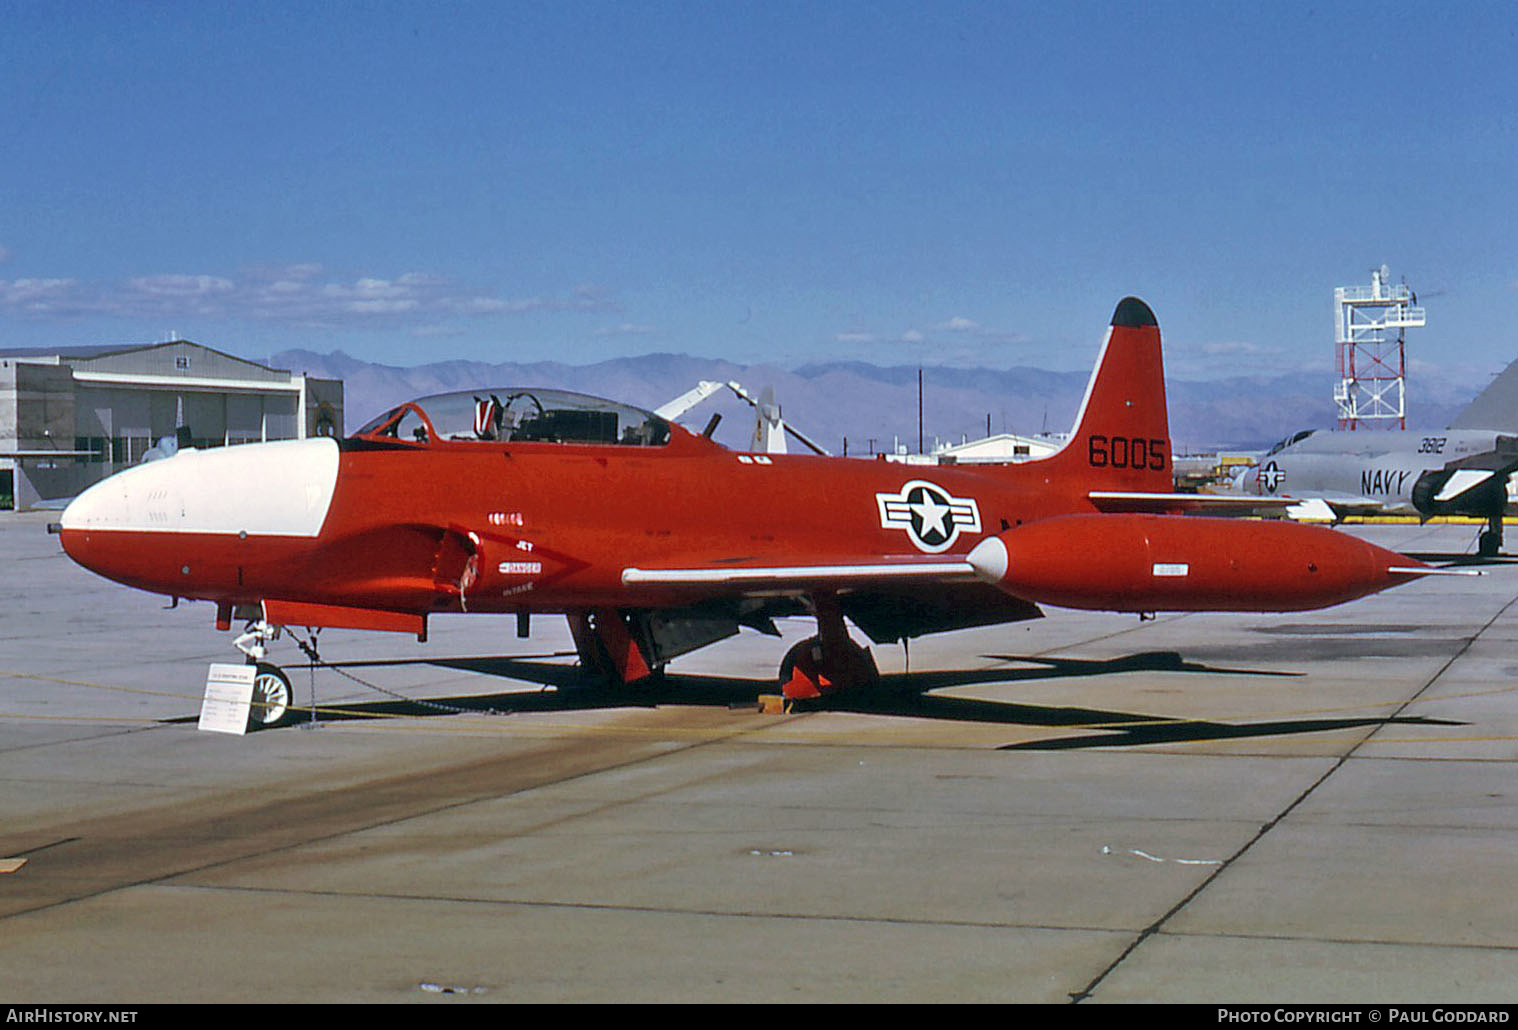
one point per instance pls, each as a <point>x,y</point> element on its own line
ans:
<point>1372,387</point>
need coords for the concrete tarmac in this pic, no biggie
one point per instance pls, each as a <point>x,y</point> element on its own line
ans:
<point>1317,807</point>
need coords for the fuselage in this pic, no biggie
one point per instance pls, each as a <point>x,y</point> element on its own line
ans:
<point>1370,467</point>
<point>527,500</point>
<point>490,527</point>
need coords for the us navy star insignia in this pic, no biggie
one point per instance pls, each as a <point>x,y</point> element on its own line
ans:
<point>932,518</point>
<point>1271,475</point>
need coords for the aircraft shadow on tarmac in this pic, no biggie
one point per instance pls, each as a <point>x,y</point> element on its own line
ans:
<point>900,694</point>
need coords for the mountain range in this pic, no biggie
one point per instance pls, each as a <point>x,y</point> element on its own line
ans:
<point>859,408</point>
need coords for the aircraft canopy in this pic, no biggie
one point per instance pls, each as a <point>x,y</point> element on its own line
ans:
<point>515,415</point>
<point>1295,438</point>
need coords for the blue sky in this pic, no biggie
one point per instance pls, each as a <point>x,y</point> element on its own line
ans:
<point>940,183</point>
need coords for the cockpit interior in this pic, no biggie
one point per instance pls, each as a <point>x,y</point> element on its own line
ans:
<point>517,415</point>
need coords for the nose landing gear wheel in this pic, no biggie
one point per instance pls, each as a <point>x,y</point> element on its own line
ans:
<point>273,698</point>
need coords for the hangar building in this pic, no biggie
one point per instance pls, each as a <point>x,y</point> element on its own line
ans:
<point>71,417</point>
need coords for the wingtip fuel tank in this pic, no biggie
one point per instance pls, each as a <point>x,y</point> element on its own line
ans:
<point>1149,563</point>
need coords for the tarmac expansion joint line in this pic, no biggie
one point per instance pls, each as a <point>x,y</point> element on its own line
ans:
<point>1159,924</point>
<point>355,822</point>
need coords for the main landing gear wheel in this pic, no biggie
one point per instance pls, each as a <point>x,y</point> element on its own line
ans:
<point>806,673</point>
<point>273,697</point>
<point>1490,543</point>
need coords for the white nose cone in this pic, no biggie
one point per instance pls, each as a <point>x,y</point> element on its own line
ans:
<point>989,559</point>
<point>270,489</point>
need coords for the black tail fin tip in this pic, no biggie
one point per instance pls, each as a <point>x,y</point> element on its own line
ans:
<point>1133,313</point>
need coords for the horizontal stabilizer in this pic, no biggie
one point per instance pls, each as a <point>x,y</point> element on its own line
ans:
<point>1190,504</point>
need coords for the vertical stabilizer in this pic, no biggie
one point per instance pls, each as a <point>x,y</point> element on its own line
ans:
<point>1121,439</point>
<point>1496,407</point>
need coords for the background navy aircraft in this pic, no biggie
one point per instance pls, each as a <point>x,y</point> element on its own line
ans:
<point>1466,469</point>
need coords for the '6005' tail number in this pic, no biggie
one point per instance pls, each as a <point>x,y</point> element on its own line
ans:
<point>1124,452</point>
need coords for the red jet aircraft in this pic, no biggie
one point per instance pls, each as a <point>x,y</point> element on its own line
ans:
<point>654,541</point>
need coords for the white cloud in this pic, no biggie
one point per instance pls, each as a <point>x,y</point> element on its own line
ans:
<point>382,307</point>
<point>181,285</point>
<point>625,329</point>
<point>936,342</point>
<point>300,294</point>
<point>35,296</point>
<point>1237,348</point>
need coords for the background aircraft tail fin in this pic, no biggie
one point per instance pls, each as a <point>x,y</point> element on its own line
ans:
<point>1495,407</point>
<point>1121,439</point>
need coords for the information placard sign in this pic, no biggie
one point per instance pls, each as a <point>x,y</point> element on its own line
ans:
<point>228,699</point>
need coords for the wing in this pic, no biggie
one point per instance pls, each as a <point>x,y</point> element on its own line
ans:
<point>751,574</point>
<point>889,597</point>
